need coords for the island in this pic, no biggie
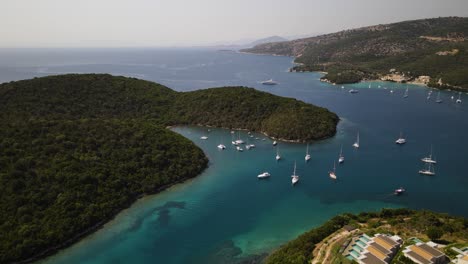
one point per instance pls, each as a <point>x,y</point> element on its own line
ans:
<point>432,52</point>
<point>77,149</point>
<point>399,236</point>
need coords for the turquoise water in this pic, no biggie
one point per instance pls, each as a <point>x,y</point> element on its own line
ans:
<point>226,214</point>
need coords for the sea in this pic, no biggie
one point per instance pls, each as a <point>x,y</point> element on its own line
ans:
<point>226,214</point>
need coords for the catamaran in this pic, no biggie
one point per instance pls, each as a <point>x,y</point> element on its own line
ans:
<point>264,175</point>
<point>294,177</point>
<point>341,157</point>
<point>278,157</point>
<point>356,144</point>
<point>429,159</point>
<point>401,140</point>
<point>429,170</point>
<point>438,100</point>
<point>459,98</point>
<point>307,156</point>
<point>406,93</point>
<point>332,174</point>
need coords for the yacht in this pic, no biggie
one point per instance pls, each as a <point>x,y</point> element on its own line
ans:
<point>353,91</point>
<point>399,191</point>
<point>438,100</point>
<point>332,173</point>
<point>278,157</point>
<point>294,177</point>
<point>204,137</point>
<point>459,99</point>
<point>239,149</point>
<point>401,140</point>
<point>429,159</point>
<point>247,147</point>
<point>391,90</point>
<point>429,170</point>
<point>341,157</point>
<point>307,156</point>
<point>342,87</point>
<point>269,82</point>
<point>356,144</point>
<point>452,97</point>
<point>275,143</point>
<point>221,146</point>
<point>263,175</point>
<point>406,93</point>
<point>252,145</point>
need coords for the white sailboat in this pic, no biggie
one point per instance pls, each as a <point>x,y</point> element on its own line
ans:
<point>239,140</point>
<point>406,93</point>
<point>275,143</point>
<point>459,98</point>
<point>294,177</point>
<point>356,144</point>
<point>307,156</point>
<point>332,173</point>
<point>278,157</point>
<point>341,157</point>
<point>438,100</point>
<point>429,159</point>
<point>269,82</point>
<point>238,148</point>
<point>401,140</point>
<point>204,137</point>
<point>399,191</point>
<point>429,170</point>
<point>263,175</point>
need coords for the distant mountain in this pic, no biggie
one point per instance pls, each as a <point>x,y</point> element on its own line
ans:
<point>404,51</point>
<point>272,39</point>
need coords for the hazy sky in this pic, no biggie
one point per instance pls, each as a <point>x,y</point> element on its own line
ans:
<point>118,23</point>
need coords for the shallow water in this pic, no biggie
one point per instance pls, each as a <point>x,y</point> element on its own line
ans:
<point>227,214</point>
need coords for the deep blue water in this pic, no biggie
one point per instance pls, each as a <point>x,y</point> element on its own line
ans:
<point>226,213</point>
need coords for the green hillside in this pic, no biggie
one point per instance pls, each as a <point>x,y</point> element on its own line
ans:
<point>435,47</point>
<point>77,149</point>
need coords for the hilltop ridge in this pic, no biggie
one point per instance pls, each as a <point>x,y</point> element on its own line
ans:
<point>402,51</point>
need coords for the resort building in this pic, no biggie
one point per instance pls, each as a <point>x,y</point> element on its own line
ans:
<point>423,253</point>
<point>462,257</point>
<point>379,249</point>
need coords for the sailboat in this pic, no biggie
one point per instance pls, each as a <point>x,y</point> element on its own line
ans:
<point>239,140</point>
<point>429,170</point>
<point>438,98</point>
<point>459,98</point>
<point>401,140</point>
<point>341,157</point>
<point>204,137</point>
<point>332,174</point>
<point>406,93</point>
<point>429,159</point>
<point>278,157</point>
<point>356,144</point>
<point>269,82</point>
<point>307,156</point>
<point>294,177</point>
<point>275,143</point>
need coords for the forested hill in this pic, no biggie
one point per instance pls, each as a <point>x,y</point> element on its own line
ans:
<point>435,47</point>
<point>77,149</point>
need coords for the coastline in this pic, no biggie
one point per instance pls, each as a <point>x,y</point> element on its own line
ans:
<point>51,251</point>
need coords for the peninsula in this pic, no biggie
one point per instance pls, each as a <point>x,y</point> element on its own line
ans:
<point>77,149</point>
<point>433,52</point>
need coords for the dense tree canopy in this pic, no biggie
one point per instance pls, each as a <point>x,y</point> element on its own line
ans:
<point>76,149</point>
